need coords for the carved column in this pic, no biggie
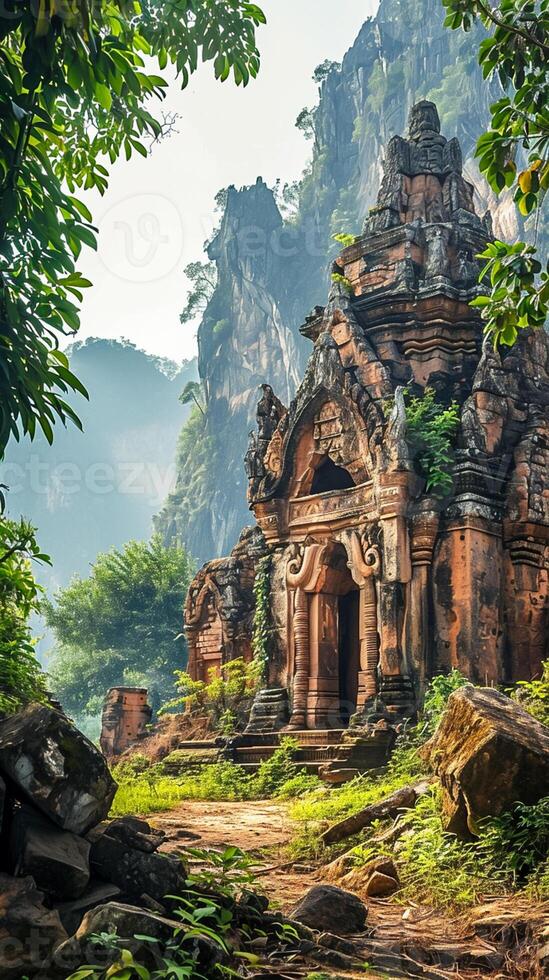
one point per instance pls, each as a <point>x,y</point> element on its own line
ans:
<point>364,563</point>
<point>369,643</point>
<point>192,665</point>
<point>301,676</point>
<point>419,626</point>
<point>301,574</point>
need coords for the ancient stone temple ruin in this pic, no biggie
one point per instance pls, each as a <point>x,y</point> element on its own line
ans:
<point>219,609</point>
<point>378,583</point>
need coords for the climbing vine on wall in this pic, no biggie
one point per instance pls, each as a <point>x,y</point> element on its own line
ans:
<point>262,638</point>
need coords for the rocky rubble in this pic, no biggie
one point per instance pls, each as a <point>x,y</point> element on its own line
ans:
<point>61,862</point>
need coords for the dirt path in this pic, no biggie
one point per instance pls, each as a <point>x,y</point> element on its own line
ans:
<point>264,829</point>
<point>260,827</point>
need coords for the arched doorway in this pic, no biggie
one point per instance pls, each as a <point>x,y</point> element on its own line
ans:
<point>333,616</point>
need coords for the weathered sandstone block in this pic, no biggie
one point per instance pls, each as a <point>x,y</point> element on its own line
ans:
<point>489,753</point>
<point>28,930</point>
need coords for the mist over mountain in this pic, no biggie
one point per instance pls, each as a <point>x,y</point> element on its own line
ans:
<point>96,489</point>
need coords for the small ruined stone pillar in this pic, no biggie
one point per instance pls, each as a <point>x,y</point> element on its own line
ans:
<point>126,715</point>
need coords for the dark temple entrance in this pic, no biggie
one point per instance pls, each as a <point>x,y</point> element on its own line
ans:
<point>349,653</point>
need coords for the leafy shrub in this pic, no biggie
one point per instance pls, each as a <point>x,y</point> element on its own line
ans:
<point>278,770</point>
<point>342,281</point>
<point>298,785</point>
<point>436,698</point>
<point>431,428</point>
<point>21,677</point>
<point>435,867</point>
<point>534,695</point>
<point>518,840</point>
<point>225,699</point>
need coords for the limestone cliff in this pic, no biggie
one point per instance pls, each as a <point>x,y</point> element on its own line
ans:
<point>270,272</point>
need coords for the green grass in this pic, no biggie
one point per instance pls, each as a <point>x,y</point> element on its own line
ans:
<point>143,788</point>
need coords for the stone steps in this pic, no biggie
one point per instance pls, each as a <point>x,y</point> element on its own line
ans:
<point>330,747</point>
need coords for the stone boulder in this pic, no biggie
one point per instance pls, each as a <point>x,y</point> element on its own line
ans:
<point>56,859</point>
<point>376,879</point>
<point>136,833</point>
<point>56,768</point>
<point>128,922</point>
<point>29,931</point>
<point>97,893</point>
<point>488,753</point>
<point>331,909</point>
<point>134,871</point>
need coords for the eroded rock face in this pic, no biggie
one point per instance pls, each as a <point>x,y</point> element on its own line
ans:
<point>489,753</point>
<point>56,767</point>
<point>28,930</point>
<point>136,872</point>
<point>127,922</point>
<point>57,860</point>
<point>326,907</point>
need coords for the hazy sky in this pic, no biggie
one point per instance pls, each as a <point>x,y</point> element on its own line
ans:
<point>158,211</point>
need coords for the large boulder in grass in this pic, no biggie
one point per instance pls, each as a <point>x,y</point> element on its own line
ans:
<point>488,753</point>
<point>56,768</point>
<point>28,930</point>
<point>331,909</point>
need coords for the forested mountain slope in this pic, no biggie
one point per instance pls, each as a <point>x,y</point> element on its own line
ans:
<point>94,490</point>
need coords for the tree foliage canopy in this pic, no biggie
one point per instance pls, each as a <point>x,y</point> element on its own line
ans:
<point>75,93</point>
<point>121,625</point>
<point>21,679</point>
<point>514,152</point>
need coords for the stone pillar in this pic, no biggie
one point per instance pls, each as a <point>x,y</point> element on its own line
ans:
<point>301,675</point>
<point>526,599</point>
<point>302,573</point>
<point>126,715</point>
<point>419,625</point>
<point>468,599</point>
<point>323,702</point>
<point>192,665</point>
<point>365,565</point>
<point>369,643</point>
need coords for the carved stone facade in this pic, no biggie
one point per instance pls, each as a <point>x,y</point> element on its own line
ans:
<point>376,583</point>
<point>219,610</point>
